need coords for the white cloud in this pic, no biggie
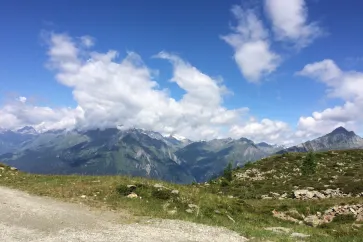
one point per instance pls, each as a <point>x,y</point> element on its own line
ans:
<point>345,85</point>
<point>111,91</point>
<point>22,99</point>
<point>290,22</point>
<point>271,131</point>
<point>15,114</point>
<point>249,39</point>
<point>87,41</point>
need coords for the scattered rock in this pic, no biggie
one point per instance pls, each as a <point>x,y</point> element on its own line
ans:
<point>176,192</point>
<point>13,168</point>
<point>312,220</point>
<point>172,212</point>
<point>280,230</point>
<point>83,196</point>
<point>189,210</point>
<point>217,211</point>
<point>131,188</point>
<point>299,235</point>
<point>159,186</point>
<point>193,206</point>
<point>132,195</point>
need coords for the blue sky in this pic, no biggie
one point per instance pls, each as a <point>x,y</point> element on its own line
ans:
<point>194,32</point>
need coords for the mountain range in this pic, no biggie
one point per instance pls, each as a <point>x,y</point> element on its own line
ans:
<point>138,152</point>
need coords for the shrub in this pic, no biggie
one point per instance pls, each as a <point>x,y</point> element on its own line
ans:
<point>309,164</point>
<point>227,173</point>
<point>161,194</point>
<point>123,190</point>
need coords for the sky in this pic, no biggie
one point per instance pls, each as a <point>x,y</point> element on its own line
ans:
<point>270,70</point>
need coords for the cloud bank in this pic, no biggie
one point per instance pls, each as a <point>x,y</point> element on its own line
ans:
<point>111,92</point>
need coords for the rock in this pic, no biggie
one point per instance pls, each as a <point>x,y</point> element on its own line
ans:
<point>319,195</point>
<point>312,220</point>
<point>176,192</point>
<point>265,197</point>
<point>2,168</point>
<point>13,168</point>
<point>357,225</point>
<point>230,196</point>
<point>132,195</point>
<point>310,188</point>
<point>217,211</point>
<point>274,194</point>
<point>189,210</point>
<point>309,194</point>
<point>284,195</point>
<point>131,188</point>
<point>83,196</point>
<point>172,212</point>
<point>193,206</point>
<point>279,230</point>
<point>359,217</point>
<point>299,235</point>
<point>158,186</point>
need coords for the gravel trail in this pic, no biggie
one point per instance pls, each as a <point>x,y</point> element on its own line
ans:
<point>29,218</point>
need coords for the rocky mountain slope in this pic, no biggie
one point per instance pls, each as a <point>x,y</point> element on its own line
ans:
<point>338,139</point>
<point>208,159</point>
<point>100,152</point>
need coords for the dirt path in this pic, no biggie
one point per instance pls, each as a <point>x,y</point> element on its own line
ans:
<point>24,217</point>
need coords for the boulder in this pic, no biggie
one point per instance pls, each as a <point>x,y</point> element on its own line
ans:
<point>176,192</point>
<point>312,220</point>
<point>132,195</point>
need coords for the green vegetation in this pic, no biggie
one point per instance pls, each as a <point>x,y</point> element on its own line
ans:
<point>227,173</point>
<point>236,204</point>
<point>309,164</point>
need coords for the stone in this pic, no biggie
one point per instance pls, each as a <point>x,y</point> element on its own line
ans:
<point>13,168</point>
<point>132,195</point>
<point>359,217</point>
<point>275,194</point>
<point>158,186</point>
<point>2,168</point>
<point>189,210</point>
<point>192,206</point>
<point>319,195</point>
<point>279,230</point>
<point>172,212</point>
<point>176,192</point>
<point>312,220</point>
<point>217,211</point>
<point>310,188</point>
<point>83,196</point>
<point>310,195</point>
<point>299,235</point>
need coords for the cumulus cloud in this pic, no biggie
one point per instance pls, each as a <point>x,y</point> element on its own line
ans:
<point>249,40</point>
<point>345,85</point>
<point>17,113</point>
<point>290,22</point>
<point>115,91</point>
<point>271,131</point>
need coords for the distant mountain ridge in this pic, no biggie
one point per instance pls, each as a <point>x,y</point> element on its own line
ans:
<point>338,139</point>
<point>139,152</point>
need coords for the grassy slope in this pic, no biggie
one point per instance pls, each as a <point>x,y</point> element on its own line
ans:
<point>251,215</point>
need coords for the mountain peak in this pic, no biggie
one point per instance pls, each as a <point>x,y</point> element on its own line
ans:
<point>27,130</point>
<point>341,130</point>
